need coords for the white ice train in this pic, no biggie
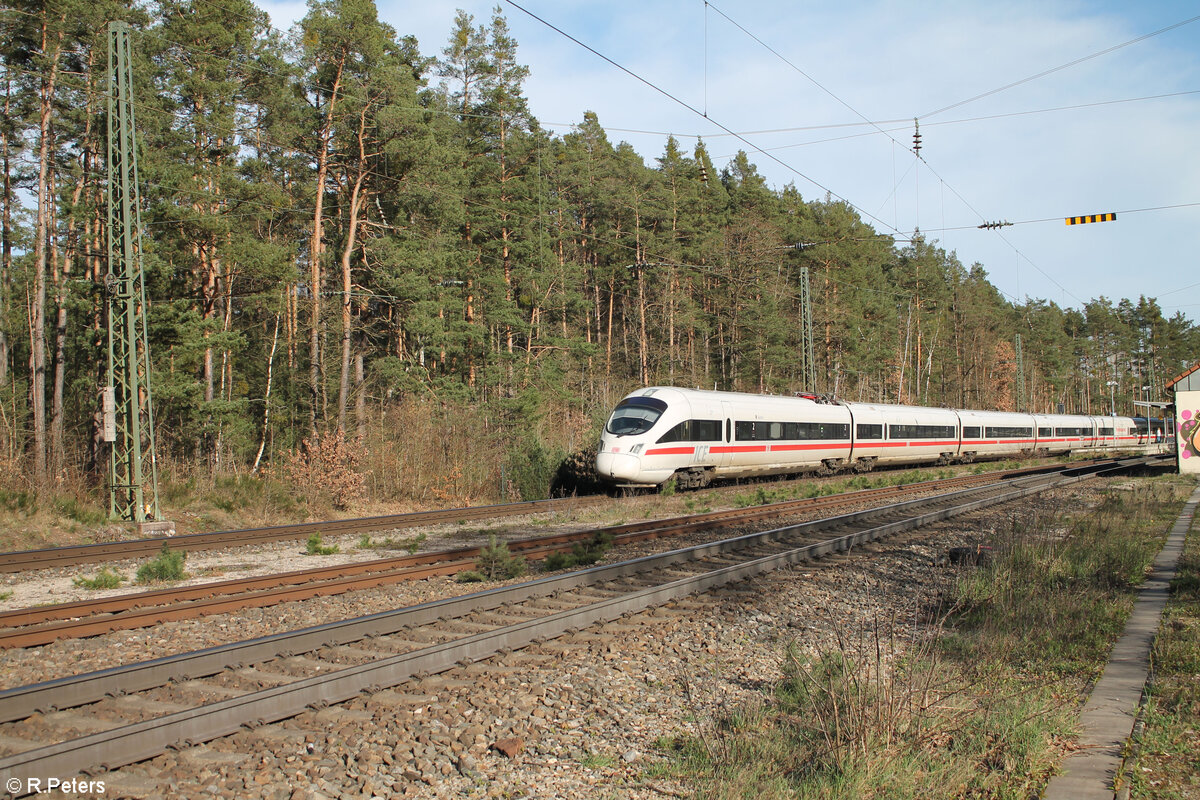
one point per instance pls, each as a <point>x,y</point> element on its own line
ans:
<point>695,437</point>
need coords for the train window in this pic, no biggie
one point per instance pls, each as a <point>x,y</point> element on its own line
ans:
<point>921,432</point>
<point>680,433</point>
<point>791,431</point>
<point>1009,432</point>
<point>1044,433</point>
<point>972,432</point>
<point>635,415</point>
<point>1106,431</point>
<point>728,430</point>
<point>694,430</point>
<point>799,431</point>
<point>870,431</point>
<point>1072,431</point>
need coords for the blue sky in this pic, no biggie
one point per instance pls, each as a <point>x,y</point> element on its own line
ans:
<point>987,160</point>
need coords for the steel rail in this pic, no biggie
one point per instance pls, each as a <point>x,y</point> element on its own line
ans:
<point>39,625</point>
<point>135,742</point>
<point>19,560</point>
<point>89,687</point>
<point>44,558</point>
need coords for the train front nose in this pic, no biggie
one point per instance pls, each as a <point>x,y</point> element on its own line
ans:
<point>617,466</point>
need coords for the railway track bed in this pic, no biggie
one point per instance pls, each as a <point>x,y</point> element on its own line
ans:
<point>395,650</point>
<point>45,623</point>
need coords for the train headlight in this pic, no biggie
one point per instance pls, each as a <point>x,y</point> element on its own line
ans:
<point>635,450</point>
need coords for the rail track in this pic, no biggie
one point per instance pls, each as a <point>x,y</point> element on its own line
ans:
<point>99,552</point>
<point>87,723</point>
<point>39,625</point>
<point>21,560</point>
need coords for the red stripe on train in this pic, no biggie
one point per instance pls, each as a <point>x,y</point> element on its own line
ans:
<point>823,446</point>
<point>671,451</point>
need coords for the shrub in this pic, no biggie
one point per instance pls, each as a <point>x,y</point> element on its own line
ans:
<point>104,579</point>
<point>469,576</point>
<point>496,563</point>
<point>313,547</point>
<point>576,474</point>
<point>73,509</point>
<point>166,566</point>
<point>18,501</point>
<point>530,470</point>
<point>582,553</point>
<point>328,465</point>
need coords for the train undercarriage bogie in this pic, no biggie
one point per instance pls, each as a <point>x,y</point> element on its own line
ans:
<point>692,478</point>
<point>864,464</point>
<point>831,466</point>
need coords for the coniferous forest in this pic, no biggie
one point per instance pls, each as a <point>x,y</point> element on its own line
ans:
<point>354,247</point>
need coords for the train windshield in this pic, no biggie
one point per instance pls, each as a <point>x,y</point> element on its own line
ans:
<point>635,415</point>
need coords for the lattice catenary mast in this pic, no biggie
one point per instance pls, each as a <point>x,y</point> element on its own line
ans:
<point>807,360</point>
<point>129,418</point>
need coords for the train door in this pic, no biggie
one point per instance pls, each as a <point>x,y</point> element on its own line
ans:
<point>721,452</point>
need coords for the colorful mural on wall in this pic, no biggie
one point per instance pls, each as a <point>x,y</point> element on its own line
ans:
<point>1189,434</point>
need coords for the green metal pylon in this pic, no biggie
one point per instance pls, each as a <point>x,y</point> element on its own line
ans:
<point>132,495</point>
<point>1021,404</point>
<point>808,367</point>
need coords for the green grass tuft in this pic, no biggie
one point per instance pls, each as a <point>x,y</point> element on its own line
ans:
<point>314,547</point>
<point>166,566</point>
<point>104,579</point>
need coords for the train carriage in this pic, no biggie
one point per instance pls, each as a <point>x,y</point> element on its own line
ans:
<point>912,434</point>
<point>693,437</point>
<point>996,434</point>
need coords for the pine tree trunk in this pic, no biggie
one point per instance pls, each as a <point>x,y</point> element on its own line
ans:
<point>315,248</point>
<point>262,442</point>
<point>60,271</point>
<point>37,359</point>
<point>356,202</point>
<point>62,282</point>
<point>360,396</point>
<point>5,239</point>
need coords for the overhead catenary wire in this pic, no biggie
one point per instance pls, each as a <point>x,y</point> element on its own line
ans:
<point>428,109</point>
<point>1060,67</point>
<point>726,129</point>
<point>694,110</point>
<point>915,150</point>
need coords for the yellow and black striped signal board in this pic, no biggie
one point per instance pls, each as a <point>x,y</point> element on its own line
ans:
<point>1091,218</point>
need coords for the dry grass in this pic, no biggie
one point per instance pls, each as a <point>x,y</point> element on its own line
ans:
<point>1167,765</point>
<point>977,704</point>
<point>417,454</point>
